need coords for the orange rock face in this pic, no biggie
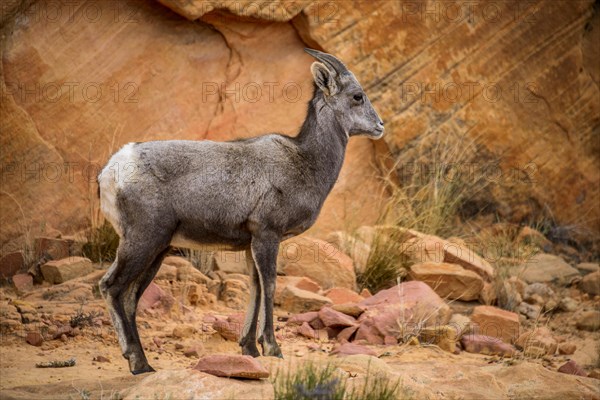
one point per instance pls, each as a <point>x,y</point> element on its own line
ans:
<point>78,86</point>
<point>495,322</point>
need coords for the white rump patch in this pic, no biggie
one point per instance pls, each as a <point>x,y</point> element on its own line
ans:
<point>120,171</point>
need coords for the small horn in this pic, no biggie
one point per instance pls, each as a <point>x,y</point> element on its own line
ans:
<point>329,60</point>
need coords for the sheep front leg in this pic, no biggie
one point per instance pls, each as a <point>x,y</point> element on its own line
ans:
<point>248,337</point>
<point>264,252</point>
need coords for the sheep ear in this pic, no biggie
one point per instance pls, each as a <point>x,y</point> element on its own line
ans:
<point>324,78</point>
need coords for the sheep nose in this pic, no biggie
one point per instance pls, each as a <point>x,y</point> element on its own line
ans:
<point>380,124</point>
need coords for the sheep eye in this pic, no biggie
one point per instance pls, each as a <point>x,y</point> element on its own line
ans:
<point>358,97</point>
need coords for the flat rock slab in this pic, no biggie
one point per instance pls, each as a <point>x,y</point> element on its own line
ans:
<point>65,269</point>
<point>548,268</point>
<point>232,366</point>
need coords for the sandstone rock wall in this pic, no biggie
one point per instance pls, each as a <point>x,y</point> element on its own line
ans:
<point>81,79</point>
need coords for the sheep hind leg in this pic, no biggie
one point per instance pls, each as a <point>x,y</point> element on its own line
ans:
<point>248,336</point>
<point>264,252</point>
<point>133,267</point>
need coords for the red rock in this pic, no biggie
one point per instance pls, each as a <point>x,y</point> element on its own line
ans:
<point>299,319</point>
<point>232,366</point>
<point>22,282</point>
<point>335,319</point>
<point>34,338</point>
<point>365,293</point>
<point>154,298</point>
<point>101,359</point>
<point>390,341</point>
<point>192,352</point>
<point>348,349</point>
<point>486,345</point>
<point>493,321</point>
<point>333,332</point>
<point>51,248</point>
<point>347,334</point>
<point>306,331</point>
<point>571,368</point>
<point>402,307</point>
<point>317,324</point>
<point>299,282</point>
<point>11,263</point>
<point>340,295</point>
<point>368,333</point>
<point>298,300</point>
<point>351,309</point>
<point>230,329</point>
<point>63,330</point>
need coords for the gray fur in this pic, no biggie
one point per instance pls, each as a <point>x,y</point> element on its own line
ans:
<point>246,194</point>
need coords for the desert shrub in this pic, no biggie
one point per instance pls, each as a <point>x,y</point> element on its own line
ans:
<point>311,381</point>
<point>102,243</point>
<point>387,263</point>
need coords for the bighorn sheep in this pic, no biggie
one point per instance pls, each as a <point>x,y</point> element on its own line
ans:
<point>246,194</point>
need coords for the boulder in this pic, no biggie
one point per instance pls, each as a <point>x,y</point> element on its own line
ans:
<point>448,280</point>
<point>347,334</point>
<point>34,338</point>
<point>400,310</point>
<point>230,328</point>
<point>59,271</point>
<point>489,345</point>
<point>341,295</point>
<point>11,263</point>
<point>51,248</point>
<point>298,301</point>
<point>22,283</point>
<point>335,319</point>
<point>571,368</point>
<point>495,322</point>
<point>307,331</point>
<point>193,384</point>
<point>299,319</point>
<point>590,284</point>
<point>589,321</point>
<point>155,299</point>
<point>300,282</point>
<point>547,268</point>
<point>351,309</point>
<point>317,260</point>
<point>537,342</point>
<point>232,366</point>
